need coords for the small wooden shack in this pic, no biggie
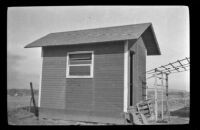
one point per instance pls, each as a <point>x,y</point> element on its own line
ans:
<point>94,74</point>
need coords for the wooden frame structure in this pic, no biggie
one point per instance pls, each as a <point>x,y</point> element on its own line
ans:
<point>164,70</point>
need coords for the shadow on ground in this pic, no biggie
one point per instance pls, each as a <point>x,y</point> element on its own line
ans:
<point>183,112</point>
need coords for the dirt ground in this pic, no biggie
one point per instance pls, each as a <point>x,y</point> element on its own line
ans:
<point>18,114</point>
<point>21,116</point>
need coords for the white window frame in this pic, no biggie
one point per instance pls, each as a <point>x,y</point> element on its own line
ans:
<point>91,65</point>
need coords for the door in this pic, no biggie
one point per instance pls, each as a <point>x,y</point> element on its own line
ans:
<point>131,78</point>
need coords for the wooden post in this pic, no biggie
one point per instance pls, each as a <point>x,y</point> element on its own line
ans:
<point>33,99</point>
<point>156,102</point>
<point>162,93</point>
<point>167,94</point>
<point>146,92</point>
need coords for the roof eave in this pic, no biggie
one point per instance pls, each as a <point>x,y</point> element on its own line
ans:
<point>36,43</point>
<point>151,42</point>
<point>155,39</point>
<point>32,45</point>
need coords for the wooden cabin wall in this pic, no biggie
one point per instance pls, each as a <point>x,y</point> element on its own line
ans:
<point>139,69</point>
<point>101,96</point>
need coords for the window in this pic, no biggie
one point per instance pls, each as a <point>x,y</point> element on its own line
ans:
<point>80,64</point>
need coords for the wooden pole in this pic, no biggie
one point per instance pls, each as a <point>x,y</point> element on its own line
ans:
<point>146,93</point>
<point>167,95</point>
<point>33,99</point>
<point>162,94</point>
<point>156,102</point>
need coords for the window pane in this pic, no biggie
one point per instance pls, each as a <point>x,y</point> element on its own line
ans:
<point>73,62</point>
<point>79,70</point>
<point>83,56</point>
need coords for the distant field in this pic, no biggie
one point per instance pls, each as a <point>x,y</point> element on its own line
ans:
<point>176,99</point>
<point>14,102</point>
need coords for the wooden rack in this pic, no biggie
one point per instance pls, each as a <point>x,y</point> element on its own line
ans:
<point>164,70</point>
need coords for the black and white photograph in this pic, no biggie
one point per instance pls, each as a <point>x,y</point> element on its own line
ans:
<point>98,65</point>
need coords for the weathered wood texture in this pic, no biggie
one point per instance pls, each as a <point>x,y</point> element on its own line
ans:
<point>139,69</point>
<point>96,96</point>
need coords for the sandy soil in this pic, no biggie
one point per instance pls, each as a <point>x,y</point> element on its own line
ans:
<point>18,114</point>
<point>21,116</point>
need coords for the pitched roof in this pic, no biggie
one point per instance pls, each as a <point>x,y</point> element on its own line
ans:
<point>98,35</point>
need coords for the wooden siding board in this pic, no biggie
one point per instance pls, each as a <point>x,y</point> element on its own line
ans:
<point>109,76</point>
<point>103,93</point>
<point>134,65</point>
<point>139,69</point>
<point>77,115</point>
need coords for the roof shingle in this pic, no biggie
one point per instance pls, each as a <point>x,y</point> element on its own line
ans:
<point>97,35</point>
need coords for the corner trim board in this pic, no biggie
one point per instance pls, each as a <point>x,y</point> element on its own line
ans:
<point>126,76</point>
<point>40,84</point>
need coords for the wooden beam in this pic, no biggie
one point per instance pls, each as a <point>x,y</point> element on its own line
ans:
<point>167,95</point>
<point>166,69</point>
<point>152,71</point>
<point>187,59</point>
<point>181,64</point>
<point>174,66</point>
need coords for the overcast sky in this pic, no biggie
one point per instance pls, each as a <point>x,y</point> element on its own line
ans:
<point>26,24</point>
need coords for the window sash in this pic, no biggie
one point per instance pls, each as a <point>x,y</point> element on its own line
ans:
<point>80,61</point>
<point>80,70</point>
<point>80,56</point>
